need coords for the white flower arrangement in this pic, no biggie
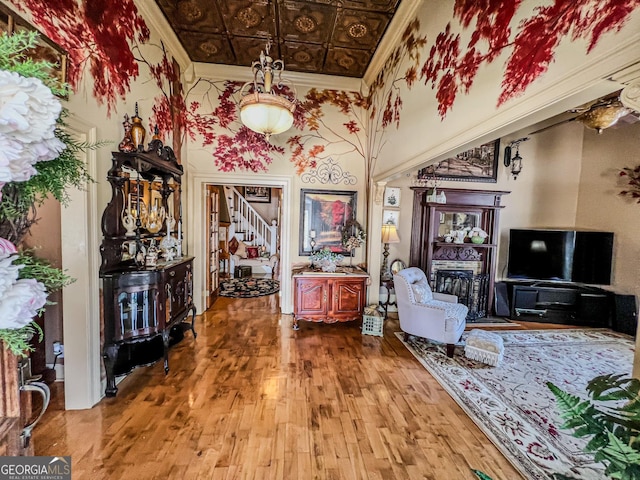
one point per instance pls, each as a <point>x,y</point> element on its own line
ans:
<point>28,115</point>
<point>20,299</point>
<point>477,232</point>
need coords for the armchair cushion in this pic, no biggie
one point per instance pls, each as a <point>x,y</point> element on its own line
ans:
<point>421,292</point>
<point>454,314</point>
<point>241,251</point>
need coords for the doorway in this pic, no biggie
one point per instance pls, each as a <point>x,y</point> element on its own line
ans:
<point>198,241</point>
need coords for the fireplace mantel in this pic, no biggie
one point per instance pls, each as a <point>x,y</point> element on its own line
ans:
<point>431,252</point>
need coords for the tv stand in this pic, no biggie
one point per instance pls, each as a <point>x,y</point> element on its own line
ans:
<point>561,303</point>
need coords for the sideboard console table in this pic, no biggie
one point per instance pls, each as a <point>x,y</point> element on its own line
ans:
<point>143,315</point>
<point>146,299</point>
<point>329,297</point>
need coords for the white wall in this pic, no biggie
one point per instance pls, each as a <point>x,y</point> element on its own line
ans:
<point>602,207</point>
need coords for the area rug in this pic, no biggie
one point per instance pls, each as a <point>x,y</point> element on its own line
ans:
<point>248,287</point>
<point>511,403</point>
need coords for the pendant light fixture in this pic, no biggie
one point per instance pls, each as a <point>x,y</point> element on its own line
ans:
<point>261,108</point>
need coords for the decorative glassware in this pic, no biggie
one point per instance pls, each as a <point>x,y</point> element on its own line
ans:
<point>138,131</point>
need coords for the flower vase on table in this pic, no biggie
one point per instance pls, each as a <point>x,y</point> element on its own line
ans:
<point>326,260</point>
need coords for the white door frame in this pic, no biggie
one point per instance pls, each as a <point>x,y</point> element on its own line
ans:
<point>80,231</point>
<point>197,222</point>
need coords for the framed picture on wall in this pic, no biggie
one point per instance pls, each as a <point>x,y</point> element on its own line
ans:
<point>257,194</point>
<point>479,164</point>
<point>391,216</point>
<point>323,214</point>
<point>391,197</point>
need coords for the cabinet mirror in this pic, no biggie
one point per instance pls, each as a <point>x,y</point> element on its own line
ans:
<point>457,221</point>
<point>144,198</point>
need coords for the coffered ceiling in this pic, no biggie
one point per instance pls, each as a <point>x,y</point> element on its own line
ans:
<point>333,37</point>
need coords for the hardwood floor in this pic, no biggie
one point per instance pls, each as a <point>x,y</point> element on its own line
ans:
<point>251,398</point>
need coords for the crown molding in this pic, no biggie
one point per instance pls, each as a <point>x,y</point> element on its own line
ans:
<point>214,71</point>
<point>627,75</point>
<point>403,16</point>
<point>156,19</point>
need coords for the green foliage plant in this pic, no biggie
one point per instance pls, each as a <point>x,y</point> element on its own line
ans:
<point>326,255</point>
<point>610,419</point>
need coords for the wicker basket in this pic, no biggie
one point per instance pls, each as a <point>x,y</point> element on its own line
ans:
<point>373,322</point>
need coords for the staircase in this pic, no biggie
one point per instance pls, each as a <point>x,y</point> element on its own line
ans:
<point>247,225</point>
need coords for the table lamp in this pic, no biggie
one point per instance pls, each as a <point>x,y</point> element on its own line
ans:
<point>389,235</point>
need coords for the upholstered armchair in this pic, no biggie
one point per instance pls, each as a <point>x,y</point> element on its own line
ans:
<point>423,313</point>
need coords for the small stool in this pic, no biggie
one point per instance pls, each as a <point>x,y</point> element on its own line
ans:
<point>242,271</point>
<point>485,347</point>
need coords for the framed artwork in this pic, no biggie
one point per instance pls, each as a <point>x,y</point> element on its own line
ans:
<point>257,194</point>
<point>391,216</point>
<point>479,164</point>
<point>45,50</point>
<point>323,214</point>
<point>391,197</point>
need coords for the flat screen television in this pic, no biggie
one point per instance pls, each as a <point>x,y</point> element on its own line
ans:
<point>560,256</point>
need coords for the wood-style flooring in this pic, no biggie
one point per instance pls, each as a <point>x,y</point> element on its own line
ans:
<point>251,398</point>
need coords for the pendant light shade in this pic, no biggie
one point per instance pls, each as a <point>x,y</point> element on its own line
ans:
<point>267,114</point>
<point>261,108</point>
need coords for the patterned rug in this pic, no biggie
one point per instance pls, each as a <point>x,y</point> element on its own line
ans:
<point>248,287</point>
<point>511,403</point>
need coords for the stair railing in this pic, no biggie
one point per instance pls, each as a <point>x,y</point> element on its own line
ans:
<point>248,223</point>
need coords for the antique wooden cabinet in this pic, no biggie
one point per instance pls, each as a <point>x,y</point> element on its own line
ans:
<point>143,312</point>
<point>329,298</point>
<point>146,301</point>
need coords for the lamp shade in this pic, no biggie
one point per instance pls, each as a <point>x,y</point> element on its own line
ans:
<point>266,113</point>
<point>389,233</point>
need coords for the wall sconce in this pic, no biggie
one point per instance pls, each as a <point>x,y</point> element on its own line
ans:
<point>516,162</point>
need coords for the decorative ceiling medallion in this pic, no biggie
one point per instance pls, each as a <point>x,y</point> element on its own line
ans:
<point>357,30</point>
<point>209,48</point>
<point>345,61</point>
<point>189,11</point>
<point>249,17</point>
<point>329,172</point>
<point>301,56</point>
<point>305,24</point>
